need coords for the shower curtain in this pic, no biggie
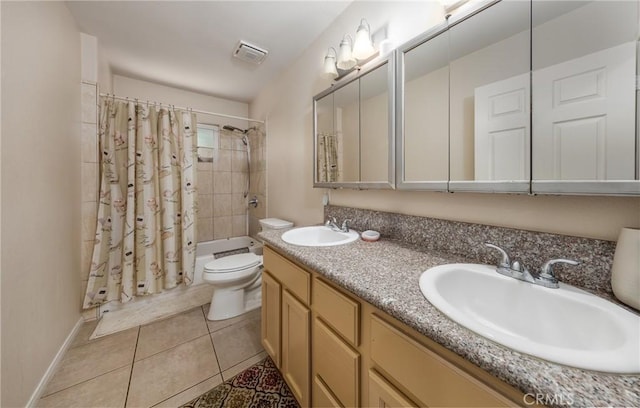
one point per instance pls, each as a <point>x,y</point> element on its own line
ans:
<point>328,168</point>
<point>146,233</point>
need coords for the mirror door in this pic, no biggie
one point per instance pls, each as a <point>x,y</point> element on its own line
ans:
<point>354,131</point>
<point>489,99</point>
<point>584,97</point>
<point>423,112</point>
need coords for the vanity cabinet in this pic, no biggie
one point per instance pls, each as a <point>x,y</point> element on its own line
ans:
<point>286,321</point>
<point>357,355</point>
<point>336,336</point>
<point>383,394</point>
<point>428,377</point>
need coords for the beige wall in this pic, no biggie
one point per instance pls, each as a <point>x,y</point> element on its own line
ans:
<point>286,103</point>
<point>105,76</point>
<point>40,190</point>
<point>143,90</point>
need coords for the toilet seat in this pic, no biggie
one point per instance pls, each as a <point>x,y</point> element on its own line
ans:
<point>233,263</point>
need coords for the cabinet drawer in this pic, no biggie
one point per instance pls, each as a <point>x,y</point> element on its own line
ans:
<point>431,379</point>
<point>292,277</point>
<point>336,364</point>
<point>337,310</point>
<point>383,394</point>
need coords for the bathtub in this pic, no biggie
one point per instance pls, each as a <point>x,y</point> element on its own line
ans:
<point>115,316</point>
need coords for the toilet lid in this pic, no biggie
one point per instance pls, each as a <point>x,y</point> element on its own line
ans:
<point>233,263</point>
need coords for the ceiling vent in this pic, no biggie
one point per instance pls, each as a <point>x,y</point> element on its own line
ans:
<point>250,53</point>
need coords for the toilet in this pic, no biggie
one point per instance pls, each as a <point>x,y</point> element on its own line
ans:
<point>237,279</point>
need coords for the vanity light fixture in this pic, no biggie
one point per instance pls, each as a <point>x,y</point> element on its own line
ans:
<point>330,70</point>
<point>363,46</point>
<point>345,56</point>
<point>353,54</point>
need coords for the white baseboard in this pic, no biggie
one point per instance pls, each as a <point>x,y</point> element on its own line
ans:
<point>35,397</point>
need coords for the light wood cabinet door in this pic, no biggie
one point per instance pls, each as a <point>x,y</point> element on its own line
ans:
<point>336,364</point>
<point>321,397</point>
<point>384,395</point>
<point>296,344</point>
<point>271,313</point>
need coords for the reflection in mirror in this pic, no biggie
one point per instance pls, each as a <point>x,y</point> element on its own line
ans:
<point>374,125</point>
<point>489,98</point>
<point>327,141</point>
<point>425,135</point>
<point>584,90</point>
<point>346,128</point>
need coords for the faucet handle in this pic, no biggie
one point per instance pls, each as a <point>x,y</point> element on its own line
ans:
<point>345,225</point>
<point>547,277</point>
<point>505,262</point>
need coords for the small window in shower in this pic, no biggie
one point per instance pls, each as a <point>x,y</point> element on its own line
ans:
<point>208,140</point>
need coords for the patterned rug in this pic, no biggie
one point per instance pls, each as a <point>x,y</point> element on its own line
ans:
<point>259,386</point>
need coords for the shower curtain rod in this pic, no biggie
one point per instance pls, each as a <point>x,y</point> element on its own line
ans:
<point>183,108</point>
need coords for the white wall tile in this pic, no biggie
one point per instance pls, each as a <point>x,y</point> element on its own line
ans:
<point>88,102</point>
<point>89,177</point>
<point>89,143</point>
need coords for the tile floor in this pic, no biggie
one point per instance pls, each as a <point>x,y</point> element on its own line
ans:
<point>161,364</point>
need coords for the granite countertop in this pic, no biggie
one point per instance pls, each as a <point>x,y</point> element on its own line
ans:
<point>386,273</point>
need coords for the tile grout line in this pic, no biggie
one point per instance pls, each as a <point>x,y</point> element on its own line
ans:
<point>84,381</point>
<point>243,361</point>
<point>88,379</point>
<point>187,389</point>
<point>212,345</point>
<point>133,361</point>
<point>172,347</point>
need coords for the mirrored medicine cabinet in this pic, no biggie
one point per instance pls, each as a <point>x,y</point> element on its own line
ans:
<point>516,97</point>
<point>354,130</point>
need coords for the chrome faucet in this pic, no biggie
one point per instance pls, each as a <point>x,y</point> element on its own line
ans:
<point>333,224</point>
<point>546,277</point>
<point>518,271</point>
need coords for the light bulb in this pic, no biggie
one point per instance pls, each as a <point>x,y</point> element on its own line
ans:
<point>363,47</point>
<point>329,69</point>
<point>345,58</point>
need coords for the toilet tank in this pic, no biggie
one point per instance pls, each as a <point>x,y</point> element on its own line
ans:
<point>275,224</point>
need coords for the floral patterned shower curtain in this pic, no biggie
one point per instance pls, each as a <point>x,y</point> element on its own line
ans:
<point>146,232</point>
<point>328,169</point>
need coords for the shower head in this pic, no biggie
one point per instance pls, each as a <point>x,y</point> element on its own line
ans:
<point>234,129</point>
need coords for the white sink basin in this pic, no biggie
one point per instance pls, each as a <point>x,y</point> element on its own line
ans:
<point>318,236</point>
<point>565,325</point>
